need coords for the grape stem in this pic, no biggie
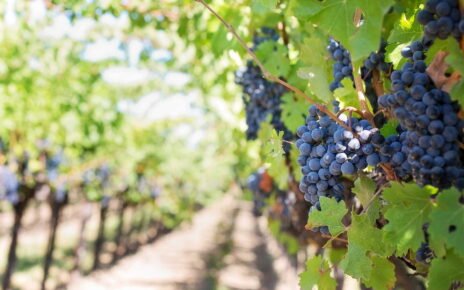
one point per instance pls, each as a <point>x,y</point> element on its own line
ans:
<point>369,203</point>
<point>334,238</point>
<point>349,109</point>
<point>289,142</point>
<point>377,83</point>
<point>266,73</point>
<point>283,29</point>
<point>358,80</point>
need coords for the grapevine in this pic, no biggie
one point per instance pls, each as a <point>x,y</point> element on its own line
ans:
<point>330,132</point>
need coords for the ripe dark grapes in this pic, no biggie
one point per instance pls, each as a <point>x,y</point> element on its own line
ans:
<point>328,151</point>
<point>342,67</point>
<point>441,19</point>
<point>430,128</point>
<point>259,195</point>
<point>261,97</point>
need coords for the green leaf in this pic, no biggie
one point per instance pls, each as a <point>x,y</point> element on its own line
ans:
<point>408,209</point>
<point>393,55</point>
<point>367,38</point>
<point>455,58</point>
<point>444,271</point>
<point>273,55</point>
<point>331,215</point>
<point>356,262</point>
<point>336,18</point>
<point>389,128</point>
<point>273,153</point>
<point>382,274</point>
<point>364,188</point>
<point>447,222</point>
<point>366,235</point>
<point>303,9</point>
<point>219,43</point>
<point>263,6</point>
<point>293,111</point>
<point>317,67</point>
<point>457,92</point>
<point>346,94</point>
<point>406,31</point>
<point>317,273</point>
<point>336,255</point>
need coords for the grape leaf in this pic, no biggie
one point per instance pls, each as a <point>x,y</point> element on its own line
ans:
<point>263,6</point>
<point>336,255</point>
<point>302,9</point>
<point>393,55</point>
<point>272,141</point>
<point>447,221</point>
<point>293,112</point>
<point>346,94</point>
<point>273,153</point>
<point>336,19</point>
<point>317,273</point>
<point>219,43</point>
<point>317,68</point>
<point>382,274</point>
<point>356,262</point>
<point>407,211</point>
<point>294,153</point>
<point>273,55</point>
<point>364,234</point>
<point>406,31</point>
<point>389,128</point>
<point>455,58</point>
<point>367,37</point>
<point>364,188</point>
<point>331,215</point>
<point>457,92</point>
<point>444,271</point>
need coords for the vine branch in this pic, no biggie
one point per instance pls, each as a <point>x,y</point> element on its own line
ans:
<point>357,77</point>
<point>266,73</point>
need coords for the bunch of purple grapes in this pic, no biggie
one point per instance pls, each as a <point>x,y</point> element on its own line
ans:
<point>328,151</point>
<point>259,197</point>
<point>441,19</point>
<point>342,67</point>
<point>431,128</point>
<point>261,97</point>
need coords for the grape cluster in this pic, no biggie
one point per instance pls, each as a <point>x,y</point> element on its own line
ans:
<point>259,197</point>
<point>390,151</point>
<point>342,67</point>
<point>441,18</point>
<point>267,34</point>
<point>261,97</point>
<point>424,254</point>
<point>328,151</point>
<point>429,121</point>
<point>376,60</point>
<point>9,185</point>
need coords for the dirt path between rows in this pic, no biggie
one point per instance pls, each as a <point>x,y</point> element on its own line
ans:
<point>224,247</point>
